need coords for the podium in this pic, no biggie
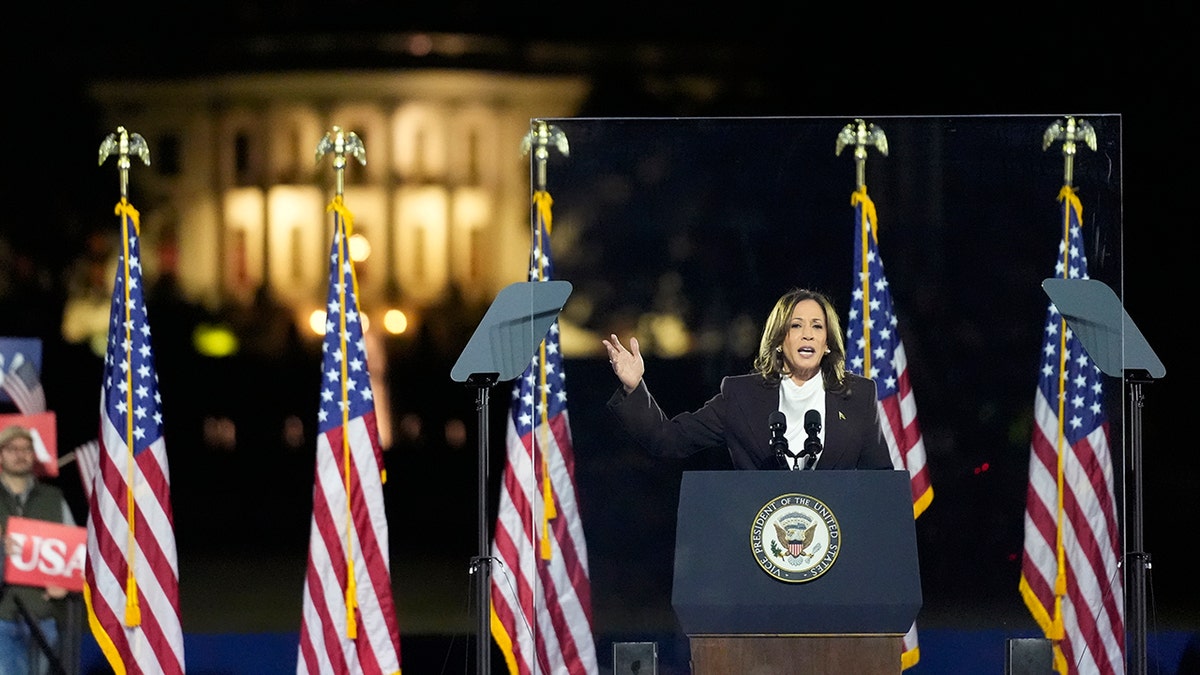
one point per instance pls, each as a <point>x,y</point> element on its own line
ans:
<point>796,572</point>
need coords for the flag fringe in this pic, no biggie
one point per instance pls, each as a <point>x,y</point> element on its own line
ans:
<point>107,647</point>
<point>922,502</point>
<point>503,640</point>
<point>910,658</point>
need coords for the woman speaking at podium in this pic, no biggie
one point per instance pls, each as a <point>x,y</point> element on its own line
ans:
<point>798,409</point>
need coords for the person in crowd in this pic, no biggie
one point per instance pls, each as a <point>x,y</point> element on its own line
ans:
<point>22,494</point>
<point>799,372</point>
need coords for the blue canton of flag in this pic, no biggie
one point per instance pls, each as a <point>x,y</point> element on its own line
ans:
<point>1083,393</point>
<point>527,407</point>
<point>130,381</point>
<point>358,381</point>
<point>878,318</point>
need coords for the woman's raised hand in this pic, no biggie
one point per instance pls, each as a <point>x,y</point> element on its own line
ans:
<point>626,363</point>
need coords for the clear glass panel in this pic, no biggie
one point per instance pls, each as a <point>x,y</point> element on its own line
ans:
<point>684,232</point>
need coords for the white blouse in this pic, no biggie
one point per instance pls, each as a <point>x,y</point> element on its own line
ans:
<point>794,401</point>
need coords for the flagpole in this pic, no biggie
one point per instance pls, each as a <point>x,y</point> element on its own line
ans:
<point>861,135</point>
<point>1071,132</point>
<point>340,143</point>
<point>906,444</point>
<point>539,138</point>
<point>131,525</point>
<point>122,143</point>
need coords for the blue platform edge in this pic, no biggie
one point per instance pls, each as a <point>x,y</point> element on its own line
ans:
<point>943,652</point>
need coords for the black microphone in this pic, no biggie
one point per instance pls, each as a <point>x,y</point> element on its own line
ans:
<point>812,444</point>
<point>777,421</point>
<point>812,422</point>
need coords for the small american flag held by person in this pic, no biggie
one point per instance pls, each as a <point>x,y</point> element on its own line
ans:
<point>23,384</point>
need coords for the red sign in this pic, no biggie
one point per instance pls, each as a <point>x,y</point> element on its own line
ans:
<point>43,428</point>
<point>45,554</point>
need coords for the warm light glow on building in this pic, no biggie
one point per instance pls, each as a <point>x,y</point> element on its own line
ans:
<point>441,207</point>
<point>360,248</point>
<point>243,249</point>
<point>395,321</point>
<point>317,320</point>
<point>297,241</point>
<point>422,240</point>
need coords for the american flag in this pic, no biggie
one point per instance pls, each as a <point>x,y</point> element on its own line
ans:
<point>29,397</point>
<point>349,622</point>
<point>541,593</point>
<point>132,573</point>
<point>23,385</point>
<point>874,349</point>
<point>87,459</point>
<point>1070,574</point>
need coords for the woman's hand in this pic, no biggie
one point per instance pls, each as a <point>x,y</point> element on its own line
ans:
<point>626,363</point>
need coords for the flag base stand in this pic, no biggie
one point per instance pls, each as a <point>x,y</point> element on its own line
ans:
<point>500,349</point>
<point>1095,314</point>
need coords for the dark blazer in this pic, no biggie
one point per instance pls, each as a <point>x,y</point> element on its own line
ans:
<point>736,418</point>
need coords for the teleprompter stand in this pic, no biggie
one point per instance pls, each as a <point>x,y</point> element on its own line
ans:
<point>1095,314</point>
<point>500,349</point>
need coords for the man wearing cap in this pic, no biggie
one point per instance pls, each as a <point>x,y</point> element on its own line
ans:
<point>22,494</point>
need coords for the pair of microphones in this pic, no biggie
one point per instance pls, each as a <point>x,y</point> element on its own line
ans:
<point>777,421</point>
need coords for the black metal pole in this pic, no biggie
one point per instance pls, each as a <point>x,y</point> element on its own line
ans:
<point>39,638</point>
<point>481,567</point>
<point>1137,559</point>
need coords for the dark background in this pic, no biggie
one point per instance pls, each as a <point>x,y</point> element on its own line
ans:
<point>966,290</point>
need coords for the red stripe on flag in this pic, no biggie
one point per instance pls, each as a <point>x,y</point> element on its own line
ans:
<point>87,460</point>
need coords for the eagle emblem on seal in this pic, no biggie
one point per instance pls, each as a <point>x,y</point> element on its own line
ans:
<point>795,537</point>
